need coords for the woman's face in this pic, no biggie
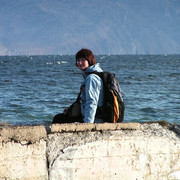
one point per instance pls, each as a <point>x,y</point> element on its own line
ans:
<point>82,63</point>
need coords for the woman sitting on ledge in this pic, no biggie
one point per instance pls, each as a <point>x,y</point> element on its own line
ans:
<point>91,95</point>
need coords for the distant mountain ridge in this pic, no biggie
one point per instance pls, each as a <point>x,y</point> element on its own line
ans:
<point>106,27</point>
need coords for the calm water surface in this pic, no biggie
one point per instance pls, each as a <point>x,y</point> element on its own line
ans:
<point>35,88</point>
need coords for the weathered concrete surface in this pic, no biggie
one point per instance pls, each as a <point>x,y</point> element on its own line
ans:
<point>90,151</point>
<point>77,127</point>
<point>23,153</point>
<point>147,151</point>
<point>30,134</point>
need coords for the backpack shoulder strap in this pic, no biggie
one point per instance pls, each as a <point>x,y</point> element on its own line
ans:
<point>79,95</point>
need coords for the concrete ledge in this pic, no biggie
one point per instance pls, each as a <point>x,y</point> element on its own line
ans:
<point>77,127</point>
<point>90,151</point>
<point>29,134</point>
<point>114,151</point>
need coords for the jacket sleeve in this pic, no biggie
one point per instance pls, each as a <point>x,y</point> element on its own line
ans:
<point>92,93</point>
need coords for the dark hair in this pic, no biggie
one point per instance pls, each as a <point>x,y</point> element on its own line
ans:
<point>86,54</point>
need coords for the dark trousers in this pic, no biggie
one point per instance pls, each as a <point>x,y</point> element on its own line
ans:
<point>63,118</point>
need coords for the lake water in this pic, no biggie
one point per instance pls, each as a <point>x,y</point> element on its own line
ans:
<point>35,88</point>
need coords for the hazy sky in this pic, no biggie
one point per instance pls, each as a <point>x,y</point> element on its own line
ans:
<point>105,26</point>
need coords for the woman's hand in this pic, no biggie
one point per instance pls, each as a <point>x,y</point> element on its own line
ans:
<point>65,110</point>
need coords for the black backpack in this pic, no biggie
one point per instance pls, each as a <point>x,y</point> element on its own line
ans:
<point>113,106</point>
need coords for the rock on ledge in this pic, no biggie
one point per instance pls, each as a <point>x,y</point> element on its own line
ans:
<point>91,151</point>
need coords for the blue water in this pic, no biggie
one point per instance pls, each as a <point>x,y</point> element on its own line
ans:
<point>35,88</point>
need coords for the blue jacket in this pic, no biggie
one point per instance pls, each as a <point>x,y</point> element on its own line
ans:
<point>92,94</point>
